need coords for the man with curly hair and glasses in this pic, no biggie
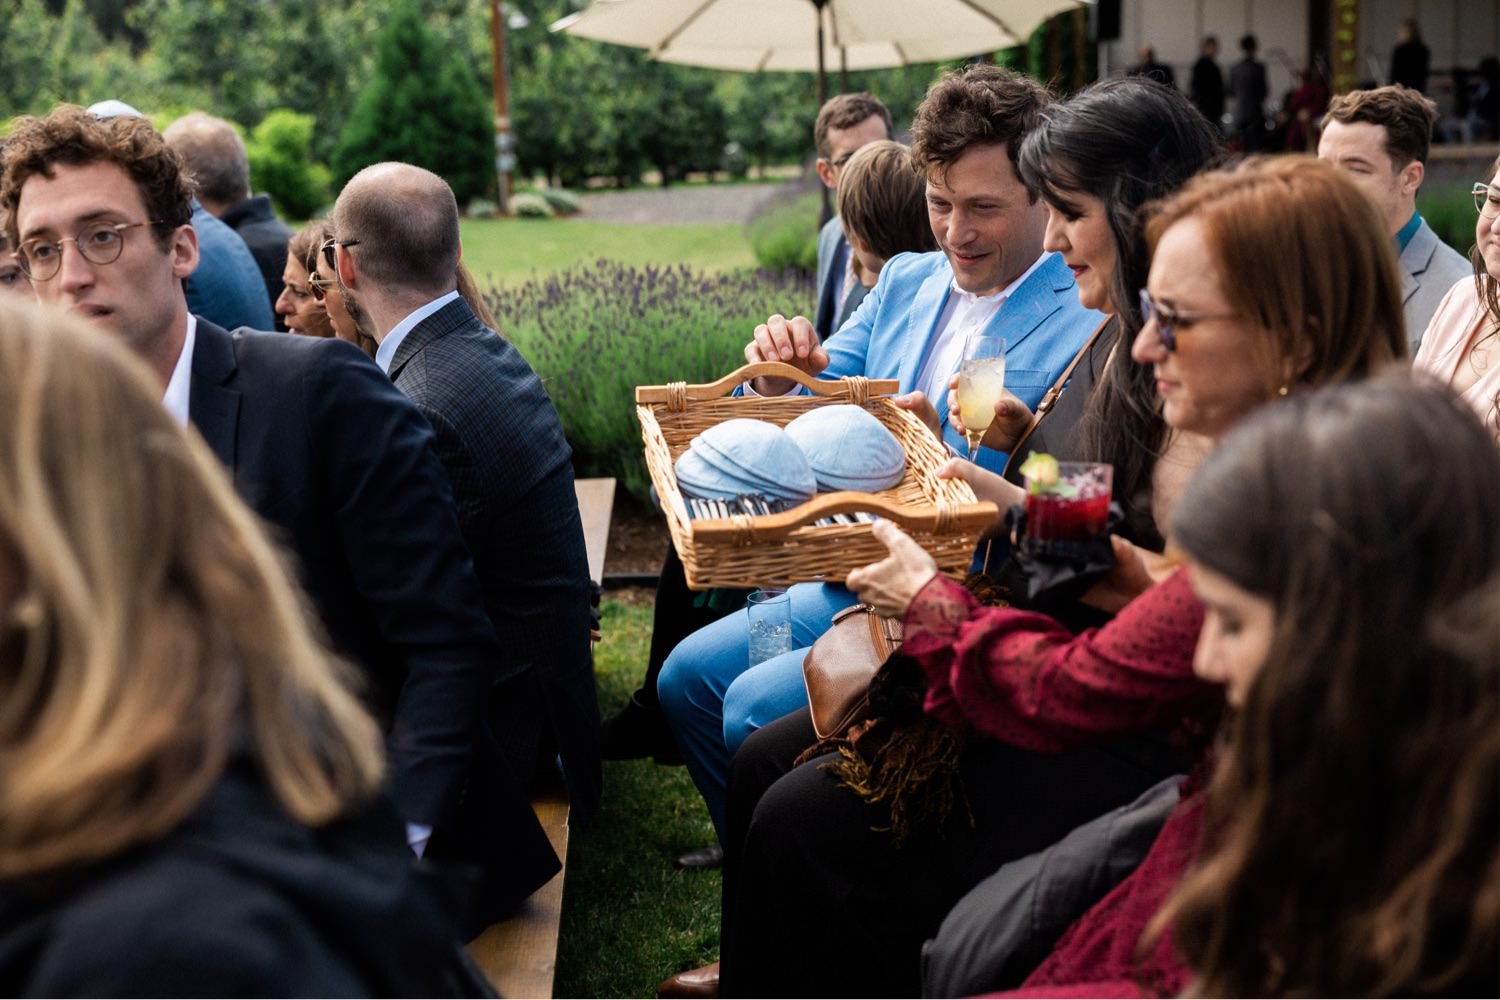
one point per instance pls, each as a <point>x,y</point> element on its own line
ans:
<point>320,445</point>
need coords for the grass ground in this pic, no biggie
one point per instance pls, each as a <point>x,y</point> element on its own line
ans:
<point>629,920</point>
<point>509,251</point>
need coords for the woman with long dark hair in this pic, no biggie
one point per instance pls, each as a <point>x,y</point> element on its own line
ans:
<point>1353,822</point>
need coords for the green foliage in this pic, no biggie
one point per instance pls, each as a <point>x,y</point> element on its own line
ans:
<point>527,205</point>
<point>281,164</point>
<point>786,235</point>
<point>207,51</point>
<point>422,107</point>
<point>628,919</point>
<point>595,333</point>
<point>563,201</point>
<point>1449,210</point>
<point>62,57</point>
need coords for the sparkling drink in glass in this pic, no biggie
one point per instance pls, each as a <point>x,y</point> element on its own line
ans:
<point>981,385</point>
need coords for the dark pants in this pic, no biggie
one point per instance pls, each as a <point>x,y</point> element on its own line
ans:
<point>675,617</point>
<point>818,899</point>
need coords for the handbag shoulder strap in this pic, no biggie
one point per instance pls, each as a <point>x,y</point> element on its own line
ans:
<point>1049,398</point>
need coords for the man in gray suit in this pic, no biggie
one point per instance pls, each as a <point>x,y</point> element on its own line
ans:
<point>844,124</point>
<point>1381,138</point>
<point>498,436</point>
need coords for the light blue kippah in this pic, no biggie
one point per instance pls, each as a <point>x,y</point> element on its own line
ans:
<point>849,448</point>
<point>746,456</point>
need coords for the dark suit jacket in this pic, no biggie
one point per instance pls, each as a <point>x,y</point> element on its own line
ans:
<point>238,900</point>
<point>342,467</point>
<point>266,236</point>
<point>510,466</point>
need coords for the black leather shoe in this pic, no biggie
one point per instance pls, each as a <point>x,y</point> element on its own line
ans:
<point>702,982</point>
<point>637,731</point>
<point>702,858</point>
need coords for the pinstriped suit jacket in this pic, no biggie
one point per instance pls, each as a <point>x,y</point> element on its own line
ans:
<point>510,467</point>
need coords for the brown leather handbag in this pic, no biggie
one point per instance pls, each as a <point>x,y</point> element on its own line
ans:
<point>838,667</point>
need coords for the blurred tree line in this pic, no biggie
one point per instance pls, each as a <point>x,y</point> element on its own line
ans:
<point>379,78</point>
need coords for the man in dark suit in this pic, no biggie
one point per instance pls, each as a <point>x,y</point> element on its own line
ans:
<point>396,255</point>
<point>216,155</point>
<point>338,463</point>
<point>845,123</point>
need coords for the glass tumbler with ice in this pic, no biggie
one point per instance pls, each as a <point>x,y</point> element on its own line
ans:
<point>770,612</point>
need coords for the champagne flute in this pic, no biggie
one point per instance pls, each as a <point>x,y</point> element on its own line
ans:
<point>981,385</point>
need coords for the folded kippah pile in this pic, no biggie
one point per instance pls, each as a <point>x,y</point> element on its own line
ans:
<point>840,447</point>
<point>848,448</point>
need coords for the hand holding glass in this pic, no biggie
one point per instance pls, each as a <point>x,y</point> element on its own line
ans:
<point>981,385</point>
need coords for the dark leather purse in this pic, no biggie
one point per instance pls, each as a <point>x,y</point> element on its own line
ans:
<point>838,667</point>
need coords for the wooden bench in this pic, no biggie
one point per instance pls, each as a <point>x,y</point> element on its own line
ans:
<point>519,956</point>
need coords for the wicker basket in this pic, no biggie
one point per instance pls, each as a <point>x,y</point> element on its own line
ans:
<point>780,549</point>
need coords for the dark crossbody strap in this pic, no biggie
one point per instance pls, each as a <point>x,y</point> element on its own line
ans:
<point>1049,399</point>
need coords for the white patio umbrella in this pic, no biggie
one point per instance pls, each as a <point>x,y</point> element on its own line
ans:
<point>806,35</point>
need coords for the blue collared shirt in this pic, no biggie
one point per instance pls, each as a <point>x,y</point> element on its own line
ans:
<point>1407,232</point>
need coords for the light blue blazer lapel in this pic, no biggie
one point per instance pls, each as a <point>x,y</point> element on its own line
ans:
<point>1031,304</point>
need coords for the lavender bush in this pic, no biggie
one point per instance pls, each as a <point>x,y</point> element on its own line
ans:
<point>594,333</point>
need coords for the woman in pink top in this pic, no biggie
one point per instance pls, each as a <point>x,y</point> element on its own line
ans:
<point>1462,343</point>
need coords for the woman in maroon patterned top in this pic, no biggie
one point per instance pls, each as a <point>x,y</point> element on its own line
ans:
<point>1294,316</point>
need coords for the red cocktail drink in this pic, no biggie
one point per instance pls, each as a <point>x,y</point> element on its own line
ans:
<point>1067,510</point>
<point>1063,519</point>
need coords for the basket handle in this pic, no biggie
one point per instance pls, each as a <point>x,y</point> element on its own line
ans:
<point>767,527</point>
<point>724,386</point>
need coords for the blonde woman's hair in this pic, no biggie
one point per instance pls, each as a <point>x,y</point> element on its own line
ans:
<point>156,632</point>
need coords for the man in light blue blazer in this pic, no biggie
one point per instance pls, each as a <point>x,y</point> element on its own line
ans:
<point>991,274</point>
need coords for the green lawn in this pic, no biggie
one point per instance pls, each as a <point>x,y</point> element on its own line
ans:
<point>629,920</point>
<point>509,251</point>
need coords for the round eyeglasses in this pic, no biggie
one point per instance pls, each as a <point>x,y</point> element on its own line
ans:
<point>1486,199</point>
<point>99,243</point>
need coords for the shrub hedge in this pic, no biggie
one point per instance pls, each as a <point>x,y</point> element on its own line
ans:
<point>594,333</point>
<point>786,234</point>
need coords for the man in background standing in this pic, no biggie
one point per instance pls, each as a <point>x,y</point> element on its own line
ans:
<point>215,153</point>
<point>1247,82</point>
<point>1381,137</point>
<point>844,124</point>
<point>1207,85</point>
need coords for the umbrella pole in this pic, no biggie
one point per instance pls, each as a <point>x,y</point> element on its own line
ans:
<point>818,5</point>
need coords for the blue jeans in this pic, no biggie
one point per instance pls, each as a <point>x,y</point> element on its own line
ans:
<point>713,699</point>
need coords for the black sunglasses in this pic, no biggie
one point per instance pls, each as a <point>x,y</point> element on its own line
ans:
<point>328,254</point>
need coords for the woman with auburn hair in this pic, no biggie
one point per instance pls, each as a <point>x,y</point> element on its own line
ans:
<point>1243,305</point>
<point>1464,349</point>
<point>303,311</point>
<point>1353,821</point>
<point>190,791</point>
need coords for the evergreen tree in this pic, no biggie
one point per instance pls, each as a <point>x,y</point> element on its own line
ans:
<point>424,106</point>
